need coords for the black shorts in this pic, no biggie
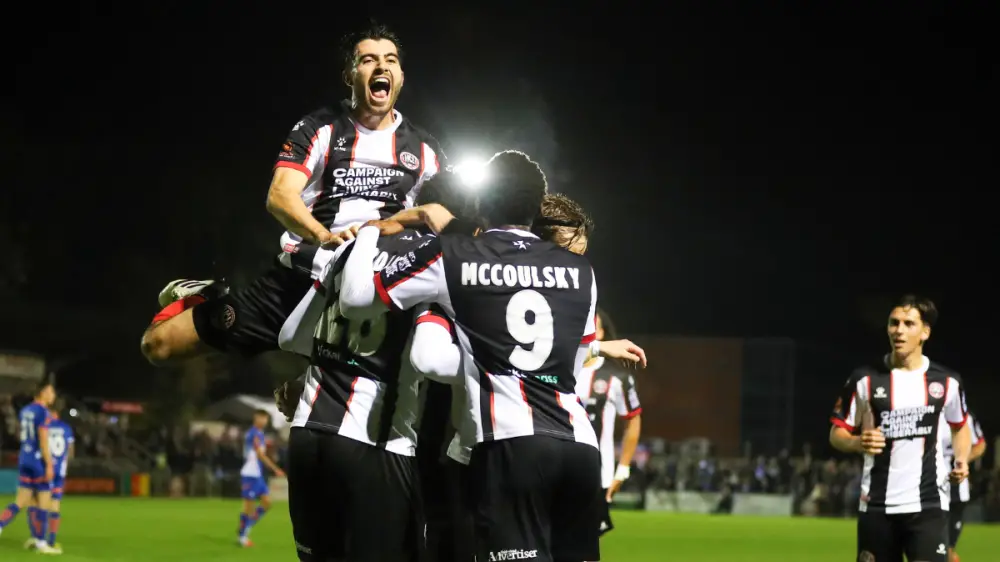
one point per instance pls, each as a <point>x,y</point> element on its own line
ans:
<point>351,501</point>
<point>248,319</point>
<point>449,520</point>
<point>606,524</point>
<point>919,536</point>
<point>955,522</point>
<point>536,498</point>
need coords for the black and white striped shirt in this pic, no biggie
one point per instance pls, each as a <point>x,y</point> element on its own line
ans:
<point>960,493</point>
<point>608,391</point>
<point>911,475</point>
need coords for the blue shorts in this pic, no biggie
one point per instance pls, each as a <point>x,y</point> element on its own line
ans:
<point>57,487</point>
<point>32,477</point>
<point>254,487</point>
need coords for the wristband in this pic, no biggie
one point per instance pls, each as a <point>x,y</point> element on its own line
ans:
<point>594,349</point>
<point>622,473</point>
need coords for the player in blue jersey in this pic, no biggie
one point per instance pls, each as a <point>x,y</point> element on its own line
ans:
<point>35,464</point>
<point>254,483</point>
<point>61,448</point>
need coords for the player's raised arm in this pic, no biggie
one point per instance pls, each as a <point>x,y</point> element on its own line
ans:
<point>407,280</point>
<point>302,156</point>
<point>434,352</point>
<point>297,332</point>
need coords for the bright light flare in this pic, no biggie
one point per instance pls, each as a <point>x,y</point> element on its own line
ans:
<point>472,172</point>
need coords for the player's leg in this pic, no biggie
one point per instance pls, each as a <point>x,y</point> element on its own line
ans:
<point>509,500</point>
<point>244,321</point>
<point>579,504</point>
<point>462,529</point>
<point>926,536</point>
<point>248,491</point>
<point>878,538</point>
<point>55,517</point>
<point>318,497</point>
<point>31,478</point>
<point>955,522</point>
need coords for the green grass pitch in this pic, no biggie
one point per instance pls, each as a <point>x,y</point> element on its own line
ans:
<point>151,530</point>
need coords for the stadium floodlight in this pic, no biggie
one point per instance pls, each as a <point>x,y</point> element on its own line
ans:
<point>472,171</point>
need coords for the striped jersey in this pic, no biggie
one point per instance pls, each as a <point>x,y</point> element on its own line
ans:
<point>356,174</point>
<point>911,474</point>
<point>520,306</point>
<point>608,391</point>
<point>960,493</point>
<point>360,382</point>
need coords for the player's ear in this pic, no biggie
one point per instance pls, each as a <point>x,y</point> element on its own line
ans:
<point>348,76</point>
<point>925,334</point>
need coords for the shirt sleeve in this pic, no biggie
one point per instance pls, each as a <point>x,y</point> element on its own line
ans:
<point>413,277</point>
<point>845,410</point>
<point>434,352</point>
<point>977,431</point>
<point>955,411</point>
<point>296,334</point>
<point>627,401</point>
<point>433,160</point>
<point>306,146</point>
<point>590,330</point>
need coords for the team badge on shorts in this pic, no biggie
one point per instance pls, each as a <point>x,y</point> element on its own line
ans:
<point>935,389</point>
<point>227,317</point>
<point>866,556</point>
<point>409,160</point>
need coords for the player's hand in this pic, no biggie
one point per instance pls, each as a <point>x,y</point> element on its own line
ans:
<point>336,239</point>
<point>279,473</point>
<point>960,472</point>
<point>872,441</point>
<point>387,227</point>
<point>435,216</point>
<point>624,350</point>
<point>50,472</point>
<point>613,489</point>
<point>286,397</point>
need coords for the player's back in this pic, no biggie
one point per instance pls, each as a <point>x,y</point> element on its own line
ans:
<point>521,307</point>
<point>32,419</point>
<point>361,385</point>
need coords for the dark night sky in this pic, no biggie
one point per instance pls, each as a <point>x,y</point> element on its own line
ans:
<point>752,172</point>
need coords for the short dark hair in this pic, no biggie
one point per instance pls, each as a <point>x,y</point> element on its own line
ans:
<point>376,32</point>
<point>264,413</point>
<point>561,220</point>
<point>925,306</point>
<point>446,189</point>
<point>610,333</point>
<point>513,191</point>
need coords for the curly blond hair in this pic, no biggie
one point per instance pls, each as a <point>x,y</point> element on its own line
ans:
<point>562,220</point>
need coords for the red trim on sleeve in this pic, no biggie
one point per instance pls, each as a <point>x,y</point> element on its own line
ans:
<point>842,424</point>
<point>382,292</point>
<point>294,166</point>
<point>435,319</point>
<point>632,414</point>
<point>958,425</point>
<point>586,340</point>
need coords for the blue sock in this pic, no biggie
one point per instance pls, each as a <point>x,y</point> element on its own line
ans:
<point>53,527</point>
<point>259,514</point>
<point>244,524</point>
<point>43,520</point>
<point>33,522</point>
<point>8,515</point>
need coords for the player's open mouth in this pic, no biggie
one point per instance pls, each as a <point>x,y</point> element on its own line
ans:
<point>379,87</point>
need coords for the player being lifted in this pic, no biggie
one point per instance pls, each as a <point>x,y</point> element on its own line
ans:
<point>960,494</point>
<point>62,450</point>
<point>35,465</point>
<point>520,306</point>
<point>340,166</point>
<point>608,390</point>
<point>253,480</point>
<point>896,405</point>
